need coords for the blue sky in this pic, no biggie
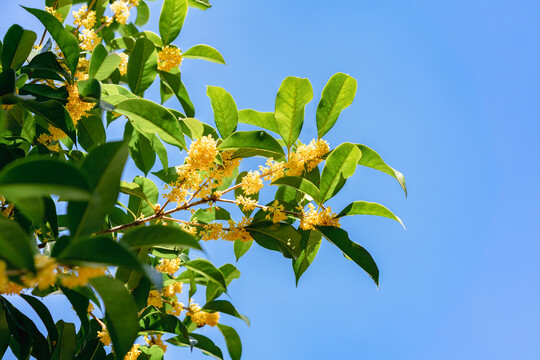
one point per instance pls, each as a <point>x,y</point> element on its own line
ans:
<point>447,93</point>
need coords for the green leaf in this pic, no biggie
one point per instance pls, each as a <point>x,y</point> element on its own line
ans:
<point>160,150</point>
<point>44,315</point>
<point>230,272</point>
<point>241,248</point>
<point>143,14</point>
<point>293,95</point>
<point>5,334</point>
<point>102,64</point>
<point>80,304</point>
<point>337,95</point>
<point>340,165</point>
<point>91,132</point>
<point>132,189</point>
<point>120,313</point>
<point>301,184</point>
<point>66,41</point>
<point>207,216</point>
<point>15,245</point>
<point>7,82</point>
<point>138,206</point>
<point>45,92</point>
<point>355,252</point>
<point>203,343</point>
<point>46,66</point>
<point>153,352</point>
<point>98,250</point>
<point>258,141</point>
<point>371,159</point>
<point>265,120</point>
<point>54,113</point>
<point>160,236</point>
<point>204,52</point>
<point>225,110</point>
<point>206,269</point>
<point>141,152</point>
<point>148,117</point>
<point>199,4</point>
<point>21,123</point>
<point>17,46</point>
<point>311,241</point>
<point>104,166</point>
<point>164,323</point>
<point>142,66</point>
<point>225,307</point>
<point>42,177</point>
<point>66,347</point>
<point>62,7</point>
<point>278,237</point>
<point>171,19</point>
<point>368,208</point>
<point>234,345</point>
<point>173,80</point>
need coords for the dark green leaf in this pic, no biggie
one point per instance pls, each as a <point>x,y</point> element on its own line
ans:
<point>66,41</point>
<point>5,334</point>
<point>120,313</point>
<point>139,206</point>
<point>17,46</point>
<point>148,117</point>
<point>80,304</point>
<point>173,80</point>
<point>44,315</point>
<point>171,19</point>
<point>230,272</point>
<point>225,307</point>
<point>204,344</point>
<point>234,345</point>
<point>104,165</point>
<point>371,159</point>
<point>54,113</point>
<point>67,342</point>
<point>301,184</point>
<point>206,269</point>
<point>91,131</point>
<point>141,152</point>
<point>293,95</point>
<point>278,237</point>
<point>204,52</point>
<point>355,252</point>
<point>142,66</point>
<point>7,82</point>
<point>42,177</point>
<point>160,236</point>
<point>311,241</point>
<point>337,95</point>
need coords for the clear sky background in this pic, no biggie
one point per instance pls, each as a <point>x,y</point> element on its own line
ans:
<point>448,93</point>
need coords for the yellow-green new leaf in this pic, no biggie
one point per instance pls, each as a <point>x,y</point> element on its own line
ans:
<point>371,159</point>
<point>160,236</point>
<point>340,165</point>
<point>293,95</point>
<point>368,208</point>
<point>225,110</point>
<point>301,184</point>
<point>102,64</point>
<point>265,120</point>
<point>171,19</point>
<point>204,52</point>
<point>258,141</point>
<point>234,345</point>
<point>337,95</point>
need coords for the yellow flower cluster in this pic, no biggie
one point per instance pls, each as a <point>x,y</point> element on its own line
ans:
<point>4,280</point>
<point>172,289</point>
<point>90,39</point>
<point>82,69</point>
<point>104,337</point>
<point>50,141</point>
<point>276,213</point>
<point>169,57</point>
<point>246,202</point>
<point>85,18</point>
<point>236,231</point>
<point>154,299</point>
<point>324,217</point>
<point>134,353</point>
<point>176,309</point>
<point>202,153</point>
<point>45,275</point>
<point>202,318</point>
<point>75,106</point>
<point>169,266</point>
<point>306,157</point>
<point>81,276</point>
<point>51,10</point>
<point>7,107</point>
<point>273,170</point>
<point>155,340</point>
<point>252,183</point>
<point>123,63</point>
<point>121,11</point>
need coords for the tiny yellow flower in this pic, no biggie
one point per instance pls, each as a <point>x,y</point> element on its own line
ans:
<point>168,58</point>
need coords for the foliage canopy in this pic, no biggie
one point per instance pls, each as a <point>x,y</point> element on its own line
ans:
<point>72,225</point>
